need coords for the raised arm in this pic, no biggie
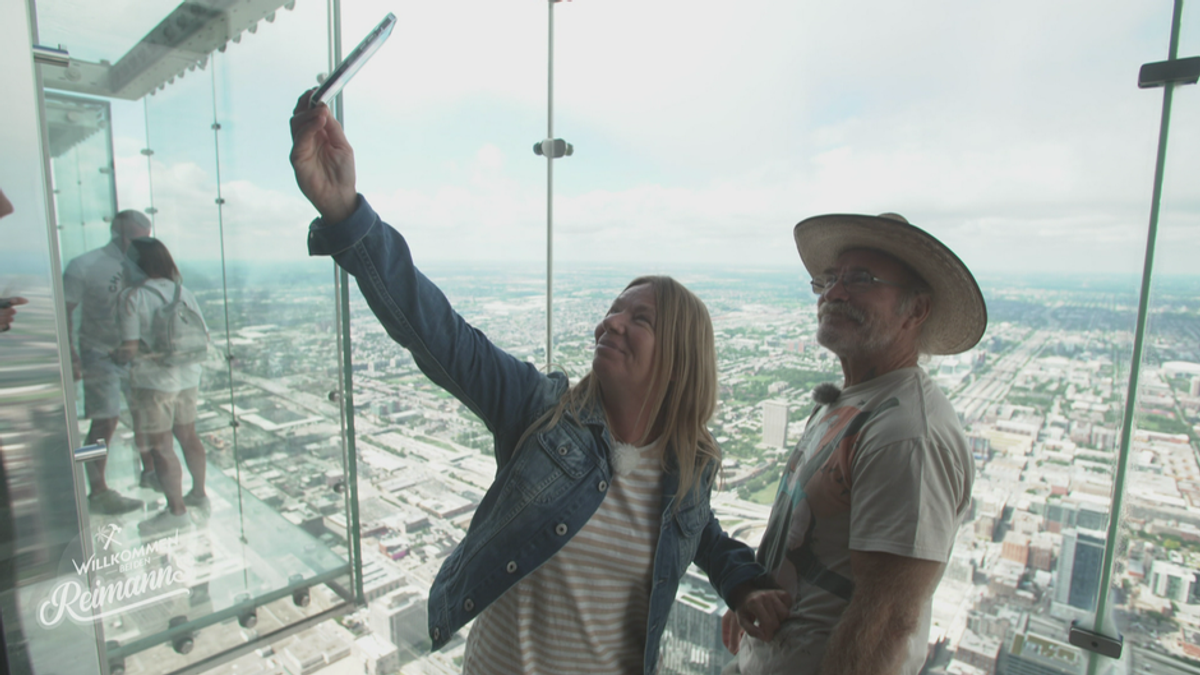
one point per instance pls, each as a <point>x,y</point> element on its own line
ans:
<point>890,593</point>
<point>505,392</point>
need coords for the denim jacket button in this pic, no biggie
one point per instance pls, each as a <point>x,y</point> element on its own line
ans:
<point>437,634</point>
<point>511,566</point>
<point>602,486</point>
<point>468,605</point>
<point>562,450</point>
<point>560,529</point>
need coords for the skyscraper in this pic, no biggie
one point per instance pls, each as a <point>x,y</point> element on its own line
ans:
<point>1079,566</point>
<point>775,423</point>
<point>692,639</point>
<point>399,618</point>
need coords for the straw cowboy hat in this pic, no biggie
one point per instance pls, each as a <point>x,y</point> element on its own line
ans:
<point>957,316</point>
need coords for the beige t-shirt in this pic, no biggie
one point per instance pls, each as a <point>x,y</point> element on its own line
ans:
<point>885,468</point>
<point>93,281</point>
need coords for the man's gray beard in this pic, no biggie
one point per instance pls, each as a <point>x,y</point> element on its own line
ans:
<point>864,339</point>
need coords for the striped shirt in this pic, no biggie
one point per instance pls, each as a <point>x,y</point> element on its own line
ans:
<point>585,609</point>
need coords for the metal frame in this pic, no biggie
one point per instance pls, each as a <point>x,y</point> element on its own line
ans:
<point>1131,396</point>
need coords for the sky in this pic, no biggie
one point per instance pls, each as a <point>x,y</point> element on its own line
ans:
<point>703,130</point>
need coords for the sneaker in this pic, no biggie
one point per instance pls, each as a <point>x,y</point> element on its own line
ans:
<point>111,502</point>
<point>196,501</point>
<point>164,522</point>
<point>150,480</point>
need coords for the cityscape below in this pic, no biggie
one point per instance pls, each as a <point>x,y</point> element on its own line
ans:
<point>1042,398</point>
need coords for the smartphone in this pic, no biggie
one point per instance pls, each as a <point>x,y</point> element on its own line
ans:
<point>5,303</point>
<point>351,64</point>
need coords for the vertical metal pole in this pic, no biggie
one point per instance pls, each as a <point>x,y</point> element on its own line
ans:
<point>550,195</point>
<point>341,283</point>
<point>1138,344</point>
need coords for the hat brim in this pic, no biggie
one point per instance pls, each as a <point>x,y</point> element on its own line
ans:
<point>958,315</point>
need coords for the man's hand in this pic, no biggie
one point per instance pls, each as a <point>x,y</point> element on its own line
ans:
<point>8,313</point>
<point>761,612</point>
<point>125,353</point>
<point>6,206</point>
<point>323,160</point>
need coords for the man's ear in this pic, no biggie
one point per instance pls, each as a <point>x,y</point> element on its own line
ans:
<point>919,309</point>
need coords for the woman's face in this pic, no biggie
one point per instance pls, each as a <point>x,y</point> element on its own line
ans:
<point>624,358</point>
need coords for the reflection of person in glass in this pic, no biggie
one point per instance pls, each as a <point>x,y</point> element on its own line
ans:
<point>164,396</point>
<point>92,282</point>
<point>12,640</point>
<point>601,499</point>
<point>7,305</point>
<point>8,311</point>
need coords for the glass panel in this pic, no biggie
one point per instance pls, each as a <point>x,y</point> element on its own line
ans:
<point>231,522</point>
<point>39,524</point>
<point>698,144</point>
<point>1155,598</point>
<point>82,166</point>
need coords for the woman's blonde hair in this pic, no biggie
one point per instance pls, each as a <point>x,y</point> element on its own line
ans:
<point>685,361</point>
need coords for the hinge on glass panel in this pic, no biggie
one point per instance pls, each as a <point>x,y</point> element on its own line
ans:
<point>216,126</point>
<point>553,148</point>
<point>220,200</point>
<point>1174,71</point>
<point>1095,642</point>
<point>49,56</point>
<point>87,453</point>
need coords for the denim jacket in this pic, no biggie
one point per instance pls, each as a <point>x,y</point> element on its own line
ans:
<point>546,489</point>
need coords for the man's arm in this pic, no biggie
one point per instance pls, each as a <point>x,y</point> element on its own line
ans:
<point>889,593</point>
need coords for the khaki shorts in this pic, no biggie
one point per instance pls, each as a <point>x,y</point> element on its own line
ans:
<point>157,411</point>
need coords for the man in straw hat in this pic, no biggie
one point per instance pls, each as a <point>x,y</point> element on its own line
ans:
<point>874,492</point>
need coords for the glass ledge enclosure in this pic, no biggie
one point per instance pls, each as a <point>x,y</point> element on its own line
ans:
<point>281,503</point>
<point>222,519</point>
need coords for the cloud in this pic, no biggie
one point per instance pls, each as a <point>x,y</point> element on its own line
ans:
<point>705,130</point>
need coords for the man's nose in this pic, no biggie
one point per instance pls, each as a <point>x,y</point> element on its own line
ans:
<point>836,290</point>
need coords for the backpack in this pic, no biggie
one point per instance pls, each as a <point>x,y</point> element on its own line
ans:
<point>177,333</point>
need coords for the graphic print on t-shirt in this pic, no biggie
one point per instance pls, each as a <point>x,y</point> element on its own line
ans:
<point>815,484</point>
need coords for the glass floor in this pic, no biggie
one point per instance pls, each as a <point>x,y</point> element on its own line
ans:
<point>241,569</point>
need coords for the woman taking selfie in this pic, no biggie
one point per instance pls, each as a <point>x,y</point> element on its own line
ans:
<point>601,498</point>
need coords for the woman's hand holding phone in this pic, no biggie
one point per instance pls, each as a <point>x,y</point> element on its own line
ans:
<point>323,160</point>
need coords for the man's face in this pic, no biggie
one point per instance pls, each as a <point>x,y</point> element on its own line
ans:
<point>865,322</point>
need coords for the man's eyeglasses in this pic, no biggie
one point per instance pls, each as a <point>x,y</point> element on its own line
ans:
<point>854,282</point>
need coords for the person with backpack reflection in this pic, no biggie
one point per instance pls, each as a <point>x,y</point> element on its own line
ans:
<point>7,313</point>
<point>164,335</point>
